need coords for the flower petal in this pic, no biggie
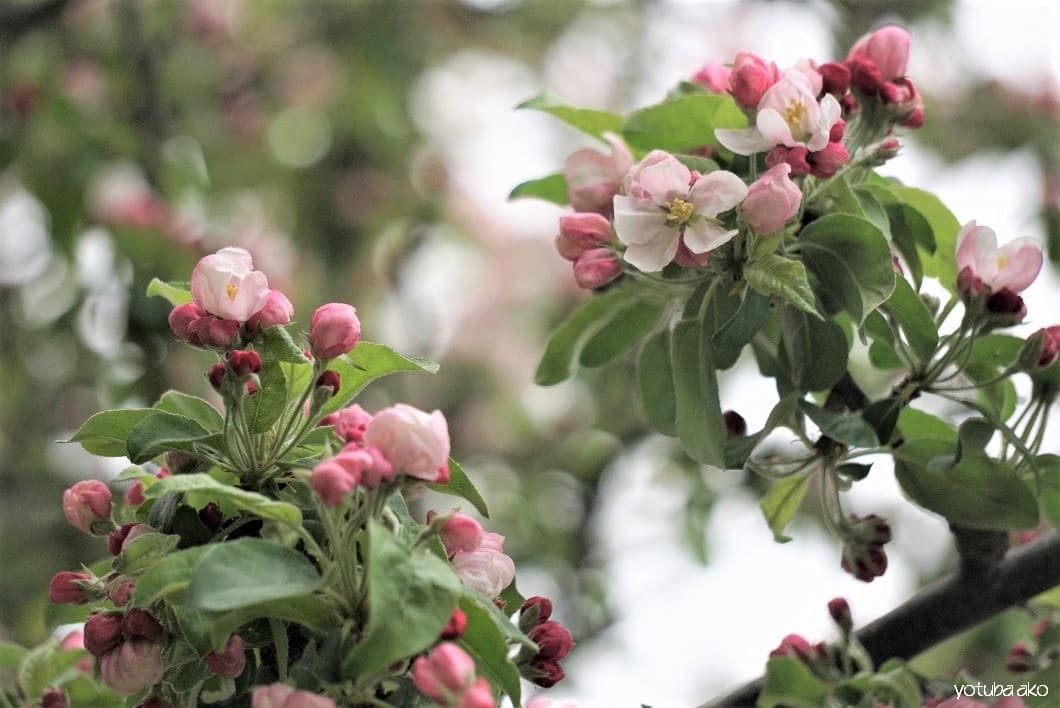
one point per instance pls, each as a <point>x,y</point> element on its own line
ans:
<point>977,249</point>
<point>775,129</point>
<point>743,141</point>
<point>665,180</point>
<point>716,192</point>
<point>706,235</point>
<point>637,220</point>
<point>654,255</point>
<point>1020,261</point>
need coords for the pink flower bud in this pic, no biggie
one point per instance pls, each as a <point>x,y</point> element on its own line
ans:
<point>480,695</point>
<point>835,78</point>
<point>230,662</point>
<point>484,570</point>
<point>350,423</point>
<point>134,494</point>
<point>210,331</point>
<point>132,666</point>
<point>796,157</point>
<point>277,310</point>
<point>332,482</point>
<point>713,76</point>
<point>751,77</point>
<point>139,624</point>
<point>596,268</point>
<point>593,179</point>
<point>455,627</point>
<point>380,471</point>
<point>795,646</point>
<point>181,318</point>
<point>330,379</point>
<point>826,162</point>
<point>64,590</point>
<point>333,330</point>
<point>838,130</point>
<point>87,506</point>
<point>414,442</point>
<point>121,593</point>
<point>102,632</point>
<point>839,609</point>
<point>1050,347</point>
<point>73,641</point>
<point>243,362</point>
<point>461,533</point>
<point>54,698</point>
<point>445,674</point>
<point>225,284</point>
<point>279,695</point>
<point>581,232</point>
<point>887,48</point>
<point>915,119</point>
<point>1020,659</point>
<point>771,200</point>
<point>554,641</point>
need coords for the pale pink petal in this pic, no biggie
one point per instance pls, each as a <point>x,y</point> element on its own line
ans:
<point>638,221</point>
<point>1019,263</point>
<point>716,192</point>
<point>621,157</point>
<point>666,180</point>
<point>238,255</point>
<point>977,249</point>
<point>654,255</point>
<point>585,167</point>
<point>743,141</point>
<point>706,235</point>
<point>775,129</point>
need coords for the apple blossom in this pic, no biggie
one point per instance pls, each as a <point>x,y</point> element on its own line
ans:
<point>87,506</point>
<point>1012,267</point>
<point>484,570</point>
<point>887,48</point>
<point>659,207</point>
<point>771,200</point>
<point>225,284</point>
<point>787,115</point>
<point>479,695</point>
<point>333,330</point>
<point>750,78</point>
<point>277,310</point>
<point>461,532</point>
<point>350,422</point>
<point>181,317</point>
<point>594,178</point>
<point>596,268</point>
<point>713,76</point>
<point>73,641</point>
<point>132,666</point>
<point>445,674</point>
<point>414,442</point>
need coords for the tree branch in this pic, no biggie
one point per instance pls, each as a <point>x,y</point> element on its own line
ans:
<point>22,18</point>
<point>952,604</point>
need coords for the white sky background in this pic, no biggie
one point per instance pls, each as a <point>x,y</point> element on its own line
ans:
<point>686,633</point>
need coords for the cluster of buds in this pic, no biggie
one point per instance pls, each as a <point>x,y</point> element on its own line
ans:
<point>554,642</point>
<point>863,542</point>
<point>127,648</point>
<point>477,556</point>
<point>990,279</point>
<point>582,240</point>
<point>446,675</point>
<point>398,440</point>
<point>877,64</point>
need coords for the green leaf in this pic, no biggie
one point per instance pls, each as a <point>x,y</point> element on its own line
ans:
<point>996,350</point>
<point>366,363</point>
<point>914,319</point>
<point>851,260</point>
<point>169,575</point>
<point>11,654</point>
<point>460,485</point>
<point>791,684</point>
<point>1049,494</point>
<point>655,380</point>
<point>847,428</point>
<point>307,610</point>
<point>738,450</point>
<point>815,349</point>
<point>786,278</point>
<point>782,501</point>
<point>944,228</point>
<point>565,345</point>
<point>275,344</point>
<point>977,491</point>
<point>202,489</point>
<point>623,332</point>
<point>682,123</point>
<point>411,596</point>
<point>176,293</point>
<point>44,666</point>
<point>198,409</point>
<point>266,405</point>
<point>915,424</point>
<point>587,120</point>
<point>144,551</point>
<point>247,572</point>
<point>485,640</point>
<point>911,233</point>
<point>105,433</point>
<point>745,324</point>
<point>551,188</point>
<point>699,424</point>
<point>162,431</point>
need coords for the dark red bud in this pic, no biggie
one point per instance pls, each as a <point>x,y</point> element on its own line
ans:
<point>216,375</point>
<point>230,662</point>
<point>330,379</point>
<point>735,425</point>
<point>244,362</point>
<point>64,590</point>
<point>542,606</point>
<point>140,623</point>
<point>54,698</point>
<point>839,609</point>
<point>117,537</point>
<point>102,632</point>
<point>554,641</point>
<point>121,593</point>
<point>548,671</point>
<point>835,78</point>
<point>211,516</point>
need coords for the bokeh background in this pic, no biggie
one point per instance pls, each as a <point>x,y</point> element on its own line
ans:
<point>363,152</point>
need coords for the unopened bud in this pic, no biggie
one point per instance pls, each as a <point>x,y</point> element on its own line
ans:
<point>54,698</point>
<point>735,425</point>
<point>839,609</point>
<point>278,310</point>
<point>120,593</point>
<point>65,588</point>
<point>534,611</point>
<point>554,641</point>
<point>132,666</point>
<point>216,375</point>
<point>333,330</point>
<point>230,662</point>
<point>211,516</point>
<point>140,624</point>
<point>455,628</point>
<point>181,318</point>
<point>546,673</point>
<point>835,78</point>
<point>596,267</point>
<point>1020,660</point>
<point>330,379</point>
<point>244,362</point>
<point>102,632</point>
<point>87,506</point>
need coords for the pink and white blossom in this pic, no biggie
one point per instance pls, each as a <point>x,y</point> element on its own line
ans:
<point>484,570</point>
<point>416,443</point>
<point>594,178</point>
<point>225,284</point>
<point>659,207</point>
<point>1012,267</point>
<point>788,115</point>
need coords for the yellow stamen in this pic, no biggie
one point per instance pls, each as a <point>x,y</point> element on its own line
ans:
<point>794,114</point>
<point>680,212</point>
<point>231,289</point>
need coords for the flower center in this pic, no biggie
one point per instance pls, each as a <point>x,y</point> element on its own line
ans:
<point>679,212</point>
<point>794,114</point>
<point>231,289</point>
